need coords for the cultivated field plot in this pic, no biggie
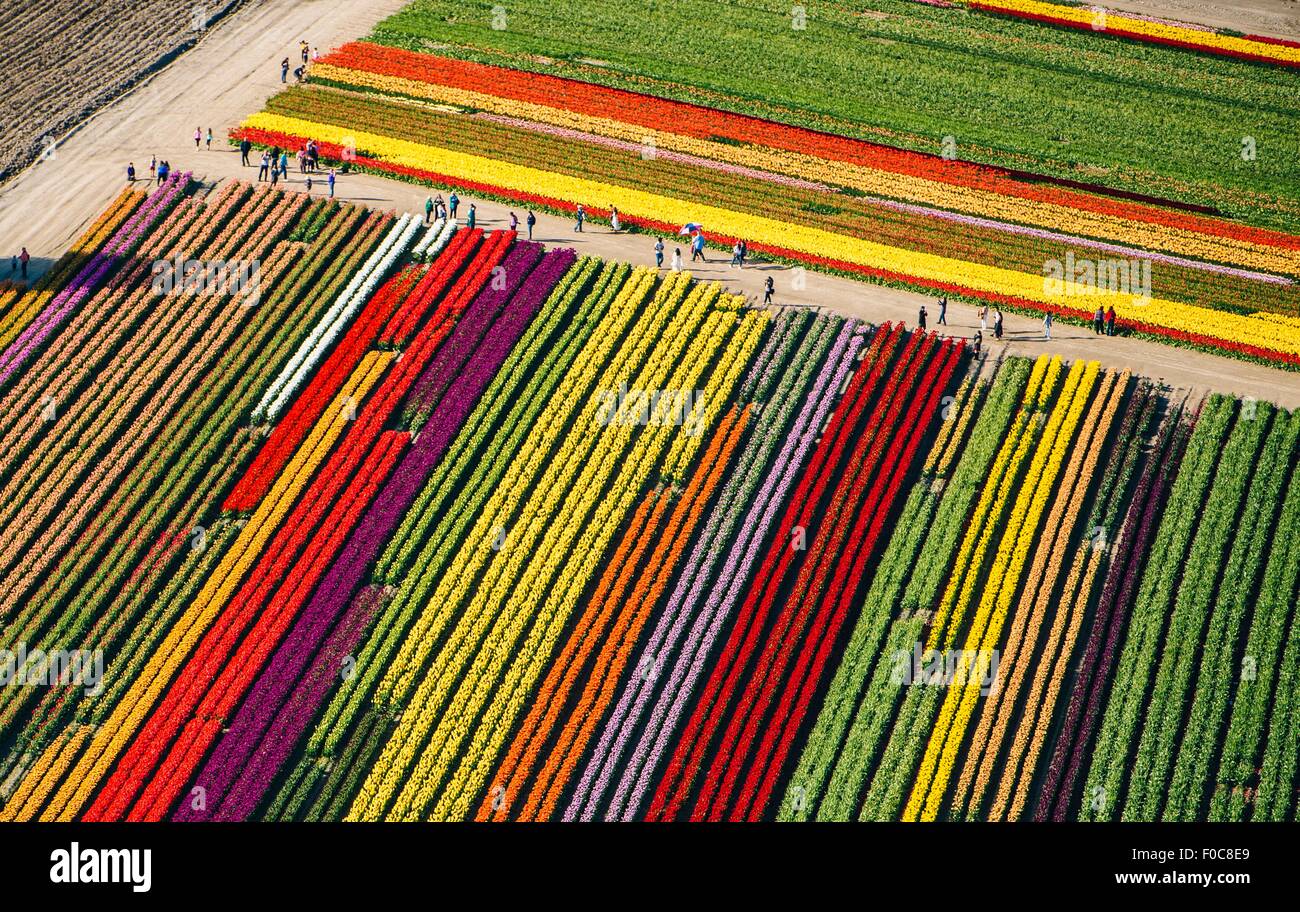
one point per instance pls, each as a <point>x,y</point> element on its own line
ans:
<point>423,522</point>
<point>65,59</point>
<point>910,144</point>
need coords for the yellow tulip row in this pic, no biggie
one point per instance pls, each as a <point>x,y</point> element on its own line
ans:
<point>1003,581</point>
<point>497,536</point>
<point>117,730</point>
<point>974,545</point>
<point>542,540</point>
<point>46,773</point>
<point>580,563</point>
<point>876,181</point>
<point>536,547</point>
<point>1090,17</point>
<point>574,390</point>
<point>1260,332</point>
<point>705,413</point>
<point>1036,600</point>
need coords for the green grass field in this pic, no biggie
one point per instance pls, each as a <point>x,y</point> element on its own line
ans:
<point>1078,105</point>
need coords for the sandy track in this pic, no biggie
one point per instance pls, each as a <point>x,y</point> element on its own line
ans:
<point>234,70</point>
<point>1274,18</point>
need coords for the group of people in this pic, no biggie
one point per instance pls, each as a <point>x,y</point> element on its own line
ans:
<point>199,137</point>
<point>19,263</point>
<point>1103,322</point>
<point>307,53</point>
<point>274,164</point>
<point>158,170</point>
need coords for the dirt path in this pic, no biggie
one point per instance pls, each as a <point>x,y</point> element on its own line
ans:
<point>1273,18</point>
<point>235,69</point>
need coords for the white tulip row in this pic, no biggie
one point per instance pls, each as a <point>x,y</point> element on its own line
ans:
<point>435,239</point>
<point>356,293</point>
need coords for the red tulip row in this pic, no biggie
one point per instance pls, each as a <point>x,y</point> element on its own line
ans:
<point>875,455</point>
<point>231,677</point>
<point>795,698</point>
<point>193,681</point>
<point>683,118</point>
<point>311,403</point>
<point>795,529</point>
<point>435,280</point>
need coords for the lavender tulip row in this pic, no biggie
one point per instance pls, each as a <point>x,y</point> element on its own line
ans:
<point>616,737</point>
<point>284,702</point>
<point>91,275</point>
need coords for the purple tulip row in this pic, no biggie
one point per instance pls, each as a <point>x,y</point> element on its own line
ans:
<point>683,605</point>
<point>285,701</point>
<point>91,275</point>
<point>1118,594</point>
<point>505,281</point>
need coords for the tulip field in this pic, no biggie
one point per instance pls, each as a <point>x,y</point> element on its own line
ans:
<point>433,523</point>
<point>554,110</point>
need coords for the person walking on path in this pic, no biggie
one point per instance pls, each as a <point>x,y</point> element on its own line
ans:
<point>697,247</point>
<point>582,217</point>
<point>1047,326</point>
<point>469,222</point>
<point>23,259</point>
<point>275,173</point>
<point>454,202</point>
<point>677,259</point>
<point>659,253</point>
<point>530,221</point>
<point>744,253</point>
<point>153,167</point>
<point>514,223</point>
<point>209,139</point>
<point>614,224</point>
<point>984,318</point>
<point>920,319</point>
<point>244,148</point>
<point>130,172</point>
<point>428,210</point>
<point>978,339</point>
<point>768,288</point>
<point>943,312</point>
<point>735,255</point>
<point>332,177</point>
<point>284,164</point>
<point>997,324</point>
<point>1098,319</point>
<point>1110,320</point>
<point>284,70</point>
<point>303,49</point>
<point>266,164</point>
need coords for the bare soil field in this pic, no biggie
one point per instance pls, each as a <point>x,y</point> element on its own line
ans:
<point>66,59</point>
